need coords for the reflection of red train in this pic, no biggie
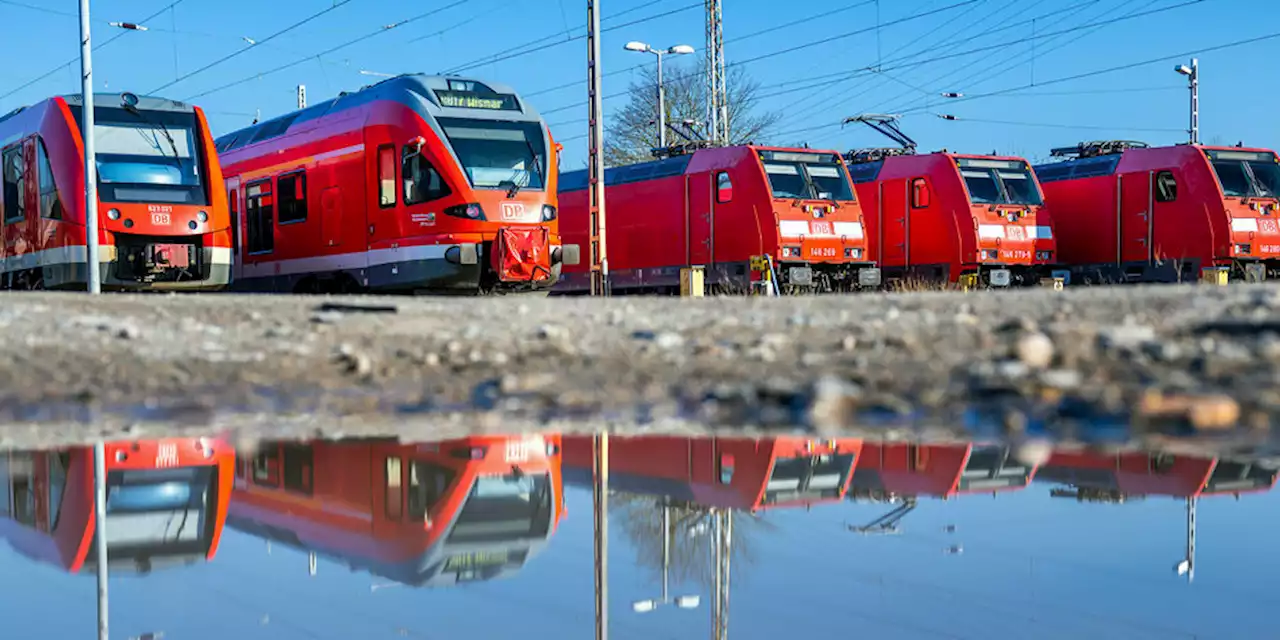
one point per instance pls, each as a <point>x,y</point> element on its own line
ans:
<point>415,183</point>
<point>939,470</point>
<point>941,216</point>
<point>733,473</point>
<point>163,213</point>
<point>425,514</point>
<point>1141,474</point>
<point>718,208</point>
<point>166,503</point>
<point>1123,211</point>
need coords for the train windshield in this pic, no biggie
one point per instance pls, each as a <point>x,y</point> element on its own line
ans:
<point>808,478</point>
<point>999,181</point>
<point>158,513</point>
<point>147,156</point>
<point>516,506</point>
<point>499,155</point>
<point>808,176</point>
<point>1246,174</point>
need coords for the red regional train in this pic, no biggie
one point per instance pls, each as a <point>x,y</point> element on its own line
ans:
<point>938,470</point>
<point>719,208</point>
<point>1127,212</point>
<point>423,514</point>
<point>415,184</point>
<point>166,503</point>
<point>163,210</point>
<point>1117,477</point>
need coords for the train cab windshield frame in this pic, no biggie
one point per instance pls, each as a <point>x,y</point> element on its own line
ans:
<point>498,154</point>
<point>808,477</point>
<point>514,506</point>
<point>1246,174</point>
<point>806,176</point>
<point>999,182</point>
<point>148,156</point>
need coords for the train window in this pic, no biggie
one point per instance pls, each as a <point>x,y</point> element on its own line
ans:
<point>293,197</point>
<point>259,211</point>
<point>21,470</point>
<point>1166,187</point>
<point>14,185</point>
<point>427,485</point>
<point>422,183</point>
<point>387,175</point>
<point>266,465</point>
<point>919,193</point>
<point>297,463</point>
<point>724,187</point>
<point>395,488</point>
<point>58,463</point>
<point>50,205</point>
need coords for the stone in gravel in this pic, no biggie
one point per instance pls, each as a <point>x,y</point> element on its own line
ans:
<point>551,332</point>
<point>1035,350</point>
<point>849,343</point>
<point>1012,369</point>
<point>354,362</point>
<point>1125,337</point>
<point>834,403</point>
<point>1162,351</point>
<point>668,340</point>
<point>1061,378</point>
<point>1208,412</point>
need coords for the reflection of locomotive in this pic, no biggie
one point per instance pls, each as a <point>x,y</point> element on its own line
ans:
<point>733,473</point>
<point>424,514</point>
<point>1135,474</point>
<point>940,470</point>
<point>166,503</point>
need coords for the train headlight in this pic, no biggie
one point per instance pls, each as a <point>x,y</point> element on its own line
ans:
<point>128,224</point>
<point>856,254</point>
<point>548,213</point>
<point>202,217</point>
<point>193,225</point>
<point>470,211</point>
<point>113,214</point>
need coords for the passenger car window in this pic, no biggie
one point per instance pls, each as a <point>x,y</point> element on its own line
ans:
<point>50,205</point>
<point>14,184</point>
<point>293,197</point>
<point>387,175</point>
<point>259,214</point>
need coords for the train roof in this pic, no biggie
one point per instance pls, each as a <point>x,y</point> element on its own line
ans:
<point>663,167</point>
<point>108,100</point>
<point>1101,158</point>
<point>867,170</point>
<point>429,96</point>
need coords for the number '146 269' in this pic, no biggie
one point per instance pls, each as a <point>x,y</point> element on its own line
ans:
<point>823,252</point>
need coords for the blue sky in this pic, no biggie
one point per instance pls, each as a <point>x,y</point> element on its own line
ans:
<point>1032,566</point>
<point>1147,102</point>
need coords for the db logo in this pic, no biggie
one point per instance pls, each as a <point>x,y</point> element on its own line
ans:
<point>820,228</point>
<point>1016,233</point>
<point>512,211</point>
<point>1270,226</point>
<point>162,219</point>
<point>167,456</point>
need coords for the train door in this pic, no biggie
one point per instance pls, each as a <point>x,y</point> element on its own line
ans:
<point>331,217</point>
<point>893,213</point>
<point>31,196</point>
<point>1135,216</point>
<point>12,161</point>
<point>699,217</point>
<point>237,237</point>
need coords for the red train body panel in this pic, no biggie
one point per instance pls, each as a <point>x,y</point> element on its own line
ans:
<point>939,216</point>
<point>1213,207</point>
<point>718,208</point>
<point>1138,474</point>
<point>937,470</point>
<point>417,183</point>
<point>422,514</point>
<point>732,473</point>
<point>162,207</point>
<point>166,503</point>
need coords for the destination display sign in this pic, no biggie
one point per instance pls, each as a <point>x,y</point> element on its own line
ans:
<point>472,100</point>
<point>477,560</point>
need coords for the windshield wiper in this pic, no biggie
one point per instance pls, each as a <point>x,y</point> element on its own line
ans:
<point>1256,184</point>
<point>163,129</point>
<point>537,169</point>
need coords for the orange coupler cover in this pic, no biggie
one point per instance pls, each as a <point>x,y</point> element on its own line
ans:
<point>523,254</point>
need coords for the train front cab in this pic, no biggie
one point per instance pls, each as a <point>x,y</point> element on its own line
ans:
<point>415,184</point>
<point>960,219</point>
<point>719,208</point>
<point>163,217</point>
<point>731,473</point>
<point>1118,477</point>
<point>1212,209</point>
<point>422,514</point>
<point>166,503</point>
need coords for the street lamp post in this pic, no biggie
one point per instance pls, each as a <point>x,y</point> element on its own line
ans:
<point>92,275</point>
<point>684,602</point>
<point>678,50</point>
<point>1193,81</point>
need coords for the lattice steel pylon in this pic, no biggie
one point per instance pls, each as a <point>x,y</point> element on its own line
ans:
<point>599,254</point>
<point>717,92</point>
<point>722,552</point>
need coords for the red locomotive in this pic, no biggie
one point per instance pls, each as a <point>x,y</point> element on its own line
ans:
<point>164,223</point>
<point>719,208</point>
<point>1128,212</point>
<point>415,184</point>
<point>166,503</point>
<point>943,216</point>
<point>939,470</point>
<point>1118,477</point>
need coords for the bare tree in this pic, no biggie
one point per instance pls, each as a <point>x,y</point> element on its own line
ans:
<point>633,132</point>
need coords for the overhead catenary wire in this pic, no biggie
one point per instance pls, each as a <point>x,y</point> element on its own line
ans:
<point>56,12</point>
<point>76,59</point>
<point>337,4</point>
<point>1060,125</point>
<point>349,43</point>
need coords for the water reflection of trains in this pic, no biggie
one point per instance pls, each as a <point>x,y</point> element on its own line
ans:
<point>1103,477</point>
<point>166,503</point>
<point>733,473</point>
<point>937,470</point>
<point>422,514</point>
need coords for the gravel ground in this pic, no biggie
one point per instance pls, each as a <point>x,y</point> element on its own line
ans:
<point>1122,366</point>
